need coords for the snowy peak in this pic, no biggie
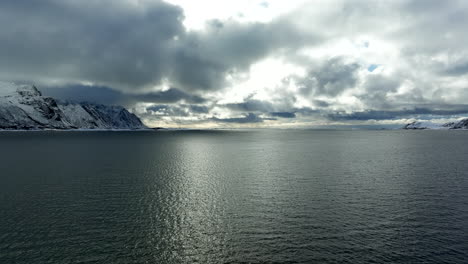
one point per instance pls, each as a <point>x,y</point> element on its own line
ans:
<point>11,89</point>
<point>28,91</point>
<point>462,124</point>
<point>95,116</point>
<point>24,107</point>
<point>421,125</point>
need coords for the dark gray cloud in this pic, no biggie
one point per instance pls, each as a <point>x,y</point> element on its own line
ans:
<point>282,108</point>
<point>111,43</point>
<point>306,111</point>
<point>251,105</point>
<point>198,109</point>
<point>247,118</point>
<point>83,93</point>
<point>169,96</point>
<point>284,114</point>
<point>377,88</point>
<point>330,78</point>
<point>320,103</point>
<point>105,95</point>
<point>457,68</point>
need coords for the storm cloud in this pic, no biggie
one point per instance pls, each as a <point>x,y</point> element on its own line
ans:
<point>119,44</point>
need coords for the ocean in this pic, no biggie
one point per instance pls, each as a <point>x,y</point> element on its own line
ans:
<point>240,196</point>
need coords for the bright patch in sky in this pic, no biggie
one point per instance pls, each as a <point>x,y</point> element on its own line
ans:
<point>262,79</point>
<point>198,12</point>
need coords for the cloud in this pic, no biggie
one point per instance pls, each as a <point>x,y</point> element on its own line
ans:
<point>175,110</point>
<point>378,89</point>
<point>105,95</point>
<point>84,93</point>
<point>251,105</point>
<point>264,4</point>
<point>228,47</point>
<point>396,114</point>
<point>330,78</point>
<point>130,45</point>
<point>119,44</point>
<point>343,60</point>
<point>456,69</point>
<point>247,118</point>
<point>284,114</point>
<point>320,103</point>
<point>169,96</point>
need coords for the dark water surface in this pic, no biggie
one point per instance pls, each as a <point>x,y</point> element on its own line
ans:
<point>234,196</point>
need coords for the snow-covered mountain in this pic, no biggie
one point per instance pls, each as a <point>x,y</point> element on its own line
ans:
<point>24,107</point>
<point>462,124</point>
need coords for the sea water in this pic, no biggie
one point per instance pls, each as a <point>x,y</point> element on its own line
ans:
<point>259,196</point>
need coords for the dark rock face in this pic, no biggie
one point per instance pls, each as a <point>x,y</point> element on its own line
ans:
<point>113,116</point>
<point>25,91</point>
<point>25,108</point>
<point>463,124</point>
<point>449,124</point>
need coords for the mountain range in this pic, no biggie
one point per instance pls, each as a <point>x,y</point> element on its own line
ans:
<point>416,125</point>
<point>23,107</point>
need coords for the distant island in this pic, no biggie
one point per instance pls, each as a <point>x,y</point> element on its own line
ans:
<point>462,124</point>
<point>23,107</point>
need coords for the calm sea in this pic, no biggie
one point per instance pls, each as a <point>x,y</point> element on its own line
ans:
<point>284,196</point>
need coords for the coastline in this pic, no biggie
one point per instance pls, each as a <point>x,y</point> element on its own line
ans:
<point>79,130</point>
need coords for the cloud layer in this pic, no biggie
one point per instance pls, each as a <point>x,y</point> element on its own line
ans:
<point>324,62</point>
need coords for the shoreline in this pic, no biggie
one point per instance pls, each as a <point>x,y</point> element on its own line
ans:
<point>79,130</point>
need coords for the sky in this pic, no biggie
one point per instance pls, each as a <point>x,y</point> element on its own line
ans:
<point>246,63</point>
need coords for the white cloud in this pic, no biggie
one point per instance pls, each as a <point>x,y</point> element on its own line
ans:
<point>198,12</point>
